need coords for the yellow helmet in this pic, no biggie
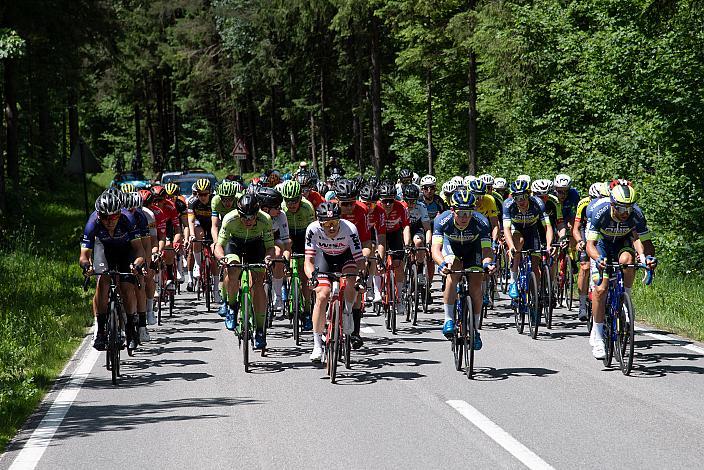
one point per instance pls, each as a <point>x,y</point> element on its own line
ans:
<point>128,188</point>
<point>172,189</point>
<point>203,184</point>
<point>623,195</point>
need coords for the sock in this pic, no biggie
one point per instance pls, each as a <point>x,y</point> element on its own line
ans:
<point>598,330</point>
<point>377,283</point>
<point>150,305</point>
<point>102,319</point>
<point>513,276</point>
<point>348,306</point>
<point>142,319</point>
<point>317,340</point>
<point>448,308</point>
<point>276,285</point>
<point>189,277</point>
<point>357,316</point>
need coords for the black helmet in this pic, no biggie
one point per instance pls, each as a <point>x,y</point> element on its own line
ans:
<point>337,170</point>
<point>410,191</point>
<point>304,178</point>
<point>269,197</point>
<point>405,173</point>
<point>321,187</point>
<point>248,205</point>
<point>328,211</point>
<point>373,181</point>
<point>345,190</point>
<point>359,182</point>
<point>387,190</point>
<point>369,193</point>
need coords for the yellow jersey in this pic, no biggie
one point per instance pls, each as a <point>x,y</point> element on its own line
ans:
<point>487,206</point>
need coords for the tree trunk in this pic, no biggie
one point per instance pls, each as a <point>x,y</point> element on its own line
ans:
<point>151,138</point>
<point>359,118</point>
<point>376,98</point>
<point>219,130</point>
<point>472,82</point>
<point>253,134</point>
<point>294,145</point>
<point>324,157</point>
<point>12,120</point>
<point>272,127</point>
<point>72,119</point>
<point>64,141</point>
<point>137,162</point>
<point>429,121</point>
<point>313,153</point>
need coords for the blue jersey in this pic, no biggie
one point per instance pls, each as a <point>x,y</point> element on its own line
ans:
<point>512,216</point>
<point>125,232</point>
<point>569,205</point>
<point>435,207</point>
<point>141,223</point>
<point>603,226</point>
<point>478,229</point>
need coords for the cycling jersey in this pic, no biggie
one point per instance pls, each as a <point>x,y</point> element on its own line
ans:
<point>249,242</point>
<point>603,226</point>
<point>397,218</point>
<point>569,205</point>
<point>465,243</point>
<point>181,205</point>
<point>141,223</point>
<point>200,213</point>
<point>581,215</point>
<point>279,225</point>
<point>435,206</point>
<point>553,209</point>
<point>298,223</point>
<point>218,209</point>
<point>347,238</point>
<point>376,220</point>
<point>487,206</point>
<point>315,198</point>
<point>150,220</point>
<point>417,215</point>
<point>166,218</point>
<point>358,217</point>
<point>125,231</point>
<point>513,217</point>
<point>498,198</point>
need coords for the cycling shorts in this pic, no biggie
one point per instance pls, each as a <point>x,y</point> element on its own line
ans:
<point>394,241</point>
<point>531,237</point>
<point>469,253</point>
<point>333,263</point>
<point>118,259</point>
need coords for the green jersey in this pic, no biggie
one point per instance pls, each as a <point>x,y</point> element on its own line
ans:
<point>298,223</point>
<point>233,230</point>
<point>219,209</point>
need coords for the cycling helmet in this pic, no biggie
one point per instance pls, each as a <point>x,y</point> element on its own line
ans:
<point>463,200</point>
<point>330,195</point>
<point>264,180</point>
<point>622,181</point>
<point>541,187</point>
<point>291,189</point>
<point>387,190</point>
<point>605,190</point>
<point>368,193</point>
<point>416,178</point>
<point>147,197</point>
<point>468,180</point>
<point>227,189</point>
<point>304,178</point>
<point>132,200</point>
<point>519,187</point>
<point>172,189</point>
<point>159,192</point>
<point>449,187</point>
<point>358,182</point>
<point>336,170</point>
<point>269,197</point>
<point>525,178</point>
<point>428,180</point>
<point>562,181</point>
<point>623,195</point>
<point>477,187</point>
<point>256,180</point>
<point>321,187</point>
<point>128,188</point>
<point>345,190</point>
<point>373,180</point>
<point>194,191</point>
<point>405,173</point>
<point>327,211</point>
<point>287,176</point>
<point>410,192</point>
<point>203,184</point>
<point>500,183</point>
<point>595,190</point>
<point>108,203</point>
<point>458,180</point>
<point>335,177</point>
<point>487,178</point>
<point>248,205</point>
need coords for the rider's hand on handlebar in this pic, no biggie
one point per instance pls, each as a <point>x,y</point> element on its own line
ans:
<point>601,262</point>
<point>581,246</point>
<point>651,262</point>
<point>552,250</point>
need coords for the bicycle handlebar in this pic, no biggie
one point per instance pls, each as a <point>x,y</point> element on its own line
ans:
<point>612,266</point>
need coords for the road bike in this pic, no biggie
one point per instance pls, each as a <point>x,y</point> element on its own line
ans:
<point>416,285</point>
<point>295,303</point>
<point>166,295</point>
<point>269,285</point>
<point>204,283</point>
<point>547,292</point>
<point>390,294</point>
<point>528,303</point>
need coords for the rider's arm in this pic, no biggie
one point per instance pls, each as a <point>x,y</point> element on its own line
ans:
<point>494,228</point>
<point>508,235</point>
<point>428,233</point>
<point>407,239</point>
<point>138,252</point>
<point>214,227</point>
<point>84,258</point>
<point>576,230</point>
<point>219,251</point>
<point>381,245</point>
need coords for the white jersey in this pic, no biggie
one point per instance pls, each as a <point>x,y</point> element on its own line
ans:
<point>279,225</point>
<point>418,213</point>
<point>317,240</point>
<point>151,220</point>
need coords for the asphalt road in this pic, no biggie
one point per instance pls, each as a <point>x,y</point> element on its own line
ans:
<point>184,401</point>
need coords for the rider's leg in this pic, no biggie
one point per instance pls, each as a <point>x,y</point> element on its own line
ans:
<point>277,279</point>
<point>322,295</point>
<point>258,298</point>
<point>449,296</point>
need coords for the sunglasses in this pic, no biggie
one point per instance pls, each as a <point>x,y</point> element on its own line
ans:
<point>277,208</point>
<point>409,201</point>
<point>109,216</point>
<point>520,197</point>
<point>295,200</point>
<point>227,199</point>
<point>248,218</point>
<point>203,194</point>
<point>428,188</point>
<point>463,213</point>
<point>622,209</point>
<point>331,224</point>
<point>387,201</point>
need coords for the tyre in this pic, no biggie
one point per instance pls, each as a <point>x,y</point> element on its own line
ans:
<point>159,302</point>
<point>533,306</point>
<point>208,280</point>
<point>347,350</point>
<point>334,345</point>
<point>457,338</point>
<point>469,333</point>
<point>114,345</point>
<point>415,297</point>
<point>393,295</point>
<point>245,332</point>
<point>590,320</point>
<point>295,306</point>
<point>519,310</point>
<point>547,297</point>
<point>609,324</point>
<point>626,336</point>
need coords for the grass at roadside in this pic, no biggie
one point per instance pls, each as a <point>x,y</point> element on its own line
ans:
<point>43,310</point>
<point>672,302</point>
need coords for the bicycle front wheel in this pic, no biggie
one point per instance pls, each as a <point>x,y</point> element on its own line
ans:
<point>114,343</point>
<point>334,342</point>
<point>626,334</point>
<point>569,284</point>
<point>469,335</point>
<point>394,301</point>
<point>548,296</point>
<point>295,300</point>
<point>609,328</point>
<point>246,333</point>
<point>533,306</point>
<point>458,336</point>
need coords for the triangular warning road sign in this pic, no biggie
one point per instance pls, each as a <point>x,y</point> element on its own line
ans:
<point>240,152</point>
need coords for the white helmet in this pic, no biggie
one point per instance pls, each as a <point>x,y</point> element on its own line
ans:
<point>562,181</point>
<point>416,178</point>
<point>428,180</point>
<point>458,180</point>
<point>109,203</point>
<point>488,179</point>
<point>449,187</point>
<point>595,190</point>
<point>500,183</point>
<point>523,178</point>
<point>541,187</point>
<point>467,180</point>
<point>132,200</point>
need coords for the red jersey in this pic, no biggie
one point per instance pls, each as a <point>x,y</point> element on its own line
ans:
<point>315,198</point>
<point>359,218</point>
<point>376,219</point>
<point>397,218</point>
<point>163,216</point>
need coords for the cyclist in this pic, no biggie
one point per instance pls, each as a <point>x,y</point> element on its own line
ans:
<point>486,206</point>
<point>398,235</point>
<point>435,205</point>
<point>461,240</point>
<point>405,176</point>
<point>489,182</point>
<point>300,215</point>
<point>579,234</point>
<point>567,196</point>
<point>500,189</point>
<point>542,189</point>
<point>246,236</point>
<point>357,213</point>
<point>201,228</point>
<point>448,189</point>
<point>173,195</point>
<point>332,245</point>
<point>419,221</point>
<point>222,204</point>
<point>270,203</point>
<point>305,179</point>
<point>110,242</point>
<point>617,231</point>
<point>168,229</point>
<point>149,285</point>
<point>377,227</point>
<point>522,213</point>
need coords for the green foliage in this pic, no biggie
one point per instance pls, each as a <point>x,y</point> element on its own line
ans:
<point>11,44</point>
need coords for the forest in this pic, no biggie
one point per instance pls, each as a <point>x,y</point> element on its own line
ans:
<point>594,88</point>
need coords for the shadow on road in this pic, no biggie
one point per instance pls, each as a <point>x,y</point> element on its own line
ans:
<point>490,374</point>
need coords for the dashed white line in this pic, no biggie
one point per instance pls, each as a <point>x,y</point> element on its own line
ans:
<point>37,443</point>
<point>501,437</point>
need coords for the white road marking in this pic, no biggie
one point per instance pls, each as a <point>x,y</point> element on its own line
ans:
<point>670,339</point>
<point>501,437</point>
<point>37,443</point>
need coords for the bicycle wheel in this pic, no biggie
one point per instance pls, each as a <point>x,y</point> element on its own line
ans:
<point>295,307</point>
<point>394,301</point>
<point>519,312</point>
<point>245,331</point>
<point>270,303</point>
<point>590,320</point>
<point>347,351</point>
<point>413,295</point>
<point>626,336</point>
<point>426,288</point>
<point>469,333</point>
<point>458,335</point>
<point>533,306</point>
<point>159,296</point>
<point>609,325</point>
<point>548,296</point>
<point>569,284</point>
<point>114,340</point>
<point>207,277</point>
<point>334,342</point>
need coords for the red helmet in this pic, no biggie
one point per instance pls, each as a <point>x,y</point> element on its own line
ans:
<point>147,196</point>
<point>620,181</point>
<point>159,192</point>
